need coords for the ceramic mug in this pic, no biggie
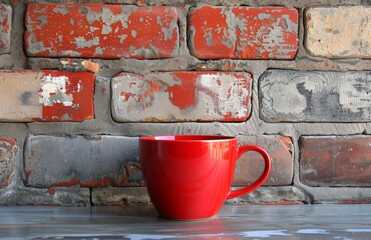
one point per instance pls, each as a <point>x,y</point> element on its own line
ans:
<point>189,176</point>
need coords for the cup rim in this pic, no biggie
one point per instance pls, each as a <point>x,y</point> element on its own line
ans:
<point>188,138</point>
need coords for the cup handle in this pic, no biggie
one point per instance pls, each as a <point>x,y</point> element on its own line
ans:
<point>263,176</point>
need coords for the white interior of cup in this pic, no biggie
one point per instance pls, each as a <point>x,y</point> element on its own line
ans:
<point>187,138</point>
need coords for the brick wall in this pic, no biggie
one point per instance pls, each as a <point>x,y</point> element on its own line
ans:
<point>79,83</point>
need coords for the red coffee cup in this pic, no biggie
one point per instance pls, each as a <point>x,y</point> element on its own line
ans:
<point>189,177</point>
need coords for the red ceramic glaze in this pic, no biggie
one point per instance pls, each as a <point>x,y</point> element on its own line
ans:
<point>189,176</point>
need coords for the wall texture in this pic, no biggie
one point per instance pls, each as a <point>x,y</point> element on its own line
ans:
<point>80,81</point>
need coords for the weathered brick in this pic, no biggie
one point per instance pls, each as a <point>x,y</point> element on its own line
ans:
<point>341,195</point>
<point>129,196</point>
<point>60,196</point>
<point>181,96</point>
<point>101,31</point>
<point>46,95</point>
<point>285,195</point>
<point>67,161</point>
<point>251,164</point>
<point>335,160</point>
<point>5,28</point>
<point>339,32</point>
<point>315,96</point>
<point>243,32</point>
<point>8,149</point>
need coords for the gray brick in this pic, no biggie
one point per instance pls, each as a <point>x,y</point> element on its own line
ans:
<point>72,196</point>
<point>315,96</point>
<point>65,161</point>
<point>273,196</point>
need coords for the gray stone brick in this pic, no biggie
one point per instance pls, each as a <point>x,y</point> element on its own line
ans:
<point>315,96</point>
<point>72,196</point>
<point>66,161</point>
<point>273,196</point>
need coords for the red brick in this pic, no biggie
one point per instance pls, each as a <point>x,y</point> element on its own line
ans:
<point>5,28</point>
<point>243,32</point>
<point>8,149</point>
<point>101,31</point>
<point>251,164</point>
<point>181,96</point>
<point>335,160</point>
<point>46,95</point>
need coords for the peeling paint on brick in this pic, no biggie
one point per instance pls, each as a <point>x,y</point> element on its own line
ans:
<point>181,96</point>
<point>53,90</point>
<point>5,28</point>
<point>101,31</point>
<point>243,32</point>
<point>91,66</point>
<point>8,149</point>
<point>67,96</point>
<point>46,95</point>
